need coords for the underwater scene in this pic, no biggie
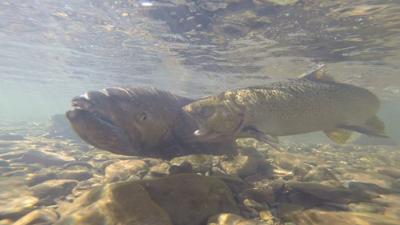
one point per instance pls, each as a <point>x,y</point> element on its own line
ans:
<point>218,112</point>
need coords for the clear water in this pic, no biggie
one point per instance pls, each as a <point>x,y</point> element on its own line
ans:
<point>51,51</point>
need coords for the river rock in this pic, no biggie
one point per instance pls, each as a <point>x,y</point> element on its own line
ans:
<point>190,198</point>
<point>39,217</point>
<point>51,190</point>
<point>43,158</point>
<point>200,163</point>
<point>78,175</point>
<point>310,217</point>
<point>15,199</point>
<point>328,193</point>
<point>160,170</point>
<point>320,173</point>
<point>232,219</point>
<point>185,167</point>
<point>37,178</point>
<point>178,199</point>
<point>126,169</point>
<point>116,203</point>
<point>367,187</point>
<point>245,164</point>
<point>366,207</point>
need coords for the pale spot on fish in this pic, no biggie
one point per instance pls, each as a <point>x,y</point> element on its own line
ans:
<point>105,92</point>
<point>124,90</point>
<point>85,95</point>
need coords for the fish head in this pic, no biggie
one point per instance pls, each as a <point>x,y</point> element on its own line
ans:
<point>216,117</point>
<point>99,132</point>
<point>95,119</point>
<point>124,121</point>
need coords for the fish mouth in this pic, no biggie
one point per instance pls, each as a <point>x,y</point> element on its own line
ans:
<point>83,103</point>
<point>98,129</point>
<point>209,135</point>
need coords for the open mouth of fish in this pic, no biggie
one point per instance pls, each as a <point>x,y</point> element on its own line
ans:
<point>98,129</point>
<point>206,134</point>
<point>84,104</point>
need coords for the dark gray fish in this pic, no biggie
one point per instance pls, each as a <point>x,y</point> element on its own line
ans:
<point>141,122</point>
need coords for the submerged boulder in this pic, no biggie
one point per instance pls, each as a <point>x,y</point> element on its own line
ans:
<point>179,200</point>
<point>125,169</point>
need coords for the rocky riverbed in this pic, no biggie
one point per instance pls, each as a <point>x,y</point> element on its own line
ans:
<point>45,180</point>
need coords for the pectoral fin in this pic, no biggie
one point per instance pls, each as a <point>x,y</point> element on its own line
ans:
<point>339,136</point>
<point>252,132</point>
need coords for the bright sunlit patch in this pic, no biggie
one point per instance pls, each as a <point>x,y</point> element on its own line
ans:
<point>146,4</point>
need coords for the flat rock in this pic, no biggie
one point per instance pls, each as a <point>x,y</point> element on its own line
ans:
<point>51,190</point>
<point>78,175</point>
<point>328,193</point>
<point>43,158</point>
<point>37,178</point>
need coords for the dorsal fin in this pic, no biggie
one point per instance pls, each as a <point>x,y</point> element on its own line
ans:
<point>318,73</point>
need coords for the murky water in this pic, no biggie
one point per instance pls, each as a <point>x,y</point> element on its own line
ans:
<point>51,51</point>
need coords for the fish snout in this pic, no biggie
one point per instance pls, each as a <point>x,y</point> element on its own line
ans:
<point>81,102</point>
<point>77,114</point>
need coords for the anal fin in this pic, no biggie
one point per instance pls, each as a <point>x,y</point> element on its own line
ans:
<point>364,130</point>
<point>338,135</point>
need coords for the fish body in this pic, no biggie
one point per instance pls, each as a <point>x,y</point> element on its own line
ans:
<point>139,122</point>
<point>314,102</point>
